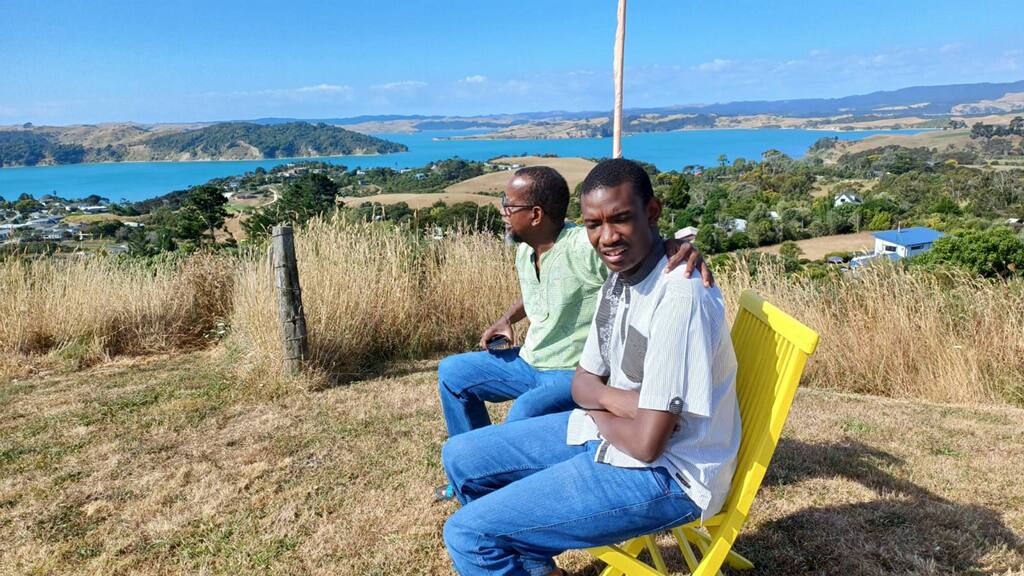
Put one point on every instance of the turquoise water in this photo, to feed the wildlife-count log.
(668, 151)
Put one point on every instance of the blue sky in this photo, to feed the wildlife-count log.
(65, 62)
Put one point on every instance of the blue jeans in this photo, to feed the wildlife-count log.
(466, 381)
(527, 496)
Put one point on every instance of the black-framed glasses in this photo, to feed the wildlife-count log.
(507, 207)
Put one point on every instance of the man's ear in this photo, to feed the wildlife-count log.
(536, 215)
(653, 212)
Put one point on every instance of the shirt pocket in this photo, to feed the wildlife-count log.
(633, 354)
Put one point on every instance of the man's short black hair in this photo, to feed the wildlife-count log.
(612, 173)
(546, 188)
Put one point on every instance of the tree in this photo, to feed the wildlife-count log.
(993, 252)
(204, 206)
(790, 253)
(881, 221)
(27, 204)
(676, 196)
(710, 239)
(790, 249)
(310, 195)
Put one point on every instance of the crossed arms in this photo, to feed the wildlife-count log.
(639, 432)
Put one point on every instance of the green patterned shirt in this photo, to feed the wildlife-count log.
(560, 304)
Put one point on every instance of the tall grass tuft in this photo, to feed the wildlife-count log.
(948, 337)
(92, 308)
(374, 292)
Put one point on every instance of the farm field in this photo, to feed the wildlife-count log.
(423, 200)
(574, 170)
(816, 248)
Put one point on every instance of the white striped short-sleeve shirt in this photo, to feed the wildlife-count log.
(666, 336)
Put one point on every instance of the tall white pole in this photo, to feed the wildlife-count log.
(620, 43)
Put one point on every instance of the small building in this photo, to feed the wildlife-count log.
(738, 225)
(847, 198)
(906, 242)
(93, 209)
(689, 233)
(55, 234)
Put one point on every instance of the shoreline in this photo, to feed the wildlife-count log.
(492, 136)
(199, 160)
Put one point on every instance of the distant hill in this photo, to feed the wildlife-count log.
(30, 146)
(917, 102)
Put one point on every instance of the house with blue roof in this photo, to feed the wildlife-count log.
(905, 242)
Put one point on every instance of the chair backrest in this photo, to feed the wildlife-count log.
(771, 350)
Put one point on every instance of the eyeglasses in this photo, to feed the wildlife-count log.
(507, 208)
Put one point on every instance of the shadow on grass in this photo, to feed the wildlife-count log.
(904, 529)
(382, 369)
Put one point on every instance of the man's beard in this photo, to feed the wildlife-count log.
(512, 238)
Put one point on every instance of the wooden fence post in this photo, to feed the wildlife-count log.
(289, 299)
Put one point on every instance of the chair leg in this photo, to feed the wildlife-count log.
(685, 549)
(624, 562)
(733, 558)
(652, 549)
(632, 548)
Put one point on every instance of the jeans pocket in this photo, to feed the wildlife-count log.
(663, 479)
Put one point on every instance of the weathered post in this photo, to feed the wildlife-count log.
(289, 299)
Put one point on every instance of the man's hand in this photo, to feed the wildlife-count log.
(680, 251)
(622, 403)
(501, 327)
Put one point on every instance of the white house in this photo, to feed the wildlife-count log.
(906, 242)
(846, 198)
(688, 233)
(739, 225)
(93, 209)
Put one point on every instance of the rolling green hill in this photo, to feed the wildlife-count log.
(30, 146)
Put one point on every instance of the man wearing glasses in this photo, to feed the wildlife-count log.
(560, 276)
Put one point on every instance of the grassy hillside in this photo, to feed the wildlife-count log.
(278, 141)
(232, 140)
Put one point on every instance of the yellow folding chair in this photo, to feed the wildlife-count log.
(771, 350)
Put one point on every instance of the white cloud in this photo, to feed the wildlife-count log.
(401, 86)
(716, 65)
(951, 47)
(475, 79)
(318, 89)
(322, 91)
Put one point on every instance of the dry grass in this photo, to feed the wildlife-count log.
(83, 309)
(170, 466)
(373, 292)
(905, 334)
(574, 170)
(426, 200)
(816, 248)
